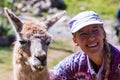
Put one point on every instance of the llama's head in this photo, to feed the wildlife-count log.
(33, 39)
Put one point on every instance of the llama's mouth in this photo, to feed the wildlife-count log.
(39, 68)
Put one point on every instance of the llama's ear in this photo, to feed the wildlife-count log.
(54, 19)
(14, 20)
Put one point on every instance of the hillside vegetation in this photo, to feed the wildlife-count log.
(106, 8)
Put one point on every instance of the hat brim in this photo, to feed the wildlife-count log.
(80, 26)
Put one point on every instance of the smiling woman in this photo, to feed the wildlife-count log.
(90, 39)
(97, 60)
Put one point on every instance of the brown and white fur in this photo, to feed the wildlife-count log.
(31, 45)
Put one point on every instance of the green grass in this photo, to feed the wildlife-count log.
(106, 8)
(6, 58)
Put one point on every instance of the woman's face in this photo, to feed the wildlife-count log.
(90, 39)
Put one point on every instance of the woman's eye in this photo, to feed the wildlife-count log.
(83, 34)
(95, 31)
(23, 42)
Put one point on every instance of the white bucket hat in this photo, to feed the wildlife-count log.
(83, 19)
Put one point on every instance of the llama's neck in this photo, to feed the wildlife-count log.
(22, 73)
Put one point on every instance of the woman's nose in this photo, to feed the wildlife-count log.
(91, 36)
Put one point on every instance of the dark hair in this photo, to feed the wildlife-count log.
(118, 14)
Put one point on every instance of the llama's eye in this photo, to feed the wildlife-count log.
(47, 43)
(23, 42)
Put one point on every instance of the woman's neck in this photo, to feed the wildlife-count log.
(97, 59)
(94, 66)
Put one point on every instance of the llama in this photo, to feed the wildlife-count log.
(30, 48)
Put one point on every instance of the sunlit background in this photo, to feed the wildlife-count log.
(40, 10)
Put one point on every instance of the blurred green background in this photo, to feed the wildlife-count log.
(106, 8)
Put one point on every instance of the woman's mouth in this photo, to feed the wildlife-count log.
(92, 45)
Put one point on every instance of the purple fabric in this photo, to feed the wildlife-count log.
(75, 67)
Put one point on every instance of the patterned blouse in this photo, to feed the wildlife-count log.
(75, 67)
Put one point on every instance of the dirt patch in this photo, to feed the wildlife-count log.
(6, 75)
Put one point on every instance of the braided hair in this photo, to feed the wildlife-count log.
(107, 55)
(107, 59)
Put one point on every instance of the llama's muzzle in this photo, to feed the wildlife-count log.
(39, 68)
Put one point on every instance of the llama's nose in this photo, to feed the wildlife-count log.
(41, 57)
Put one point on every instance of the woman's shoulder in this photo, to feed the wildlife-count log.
(77, 57)
(115, 48)
(70, 65)
(76, 60)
